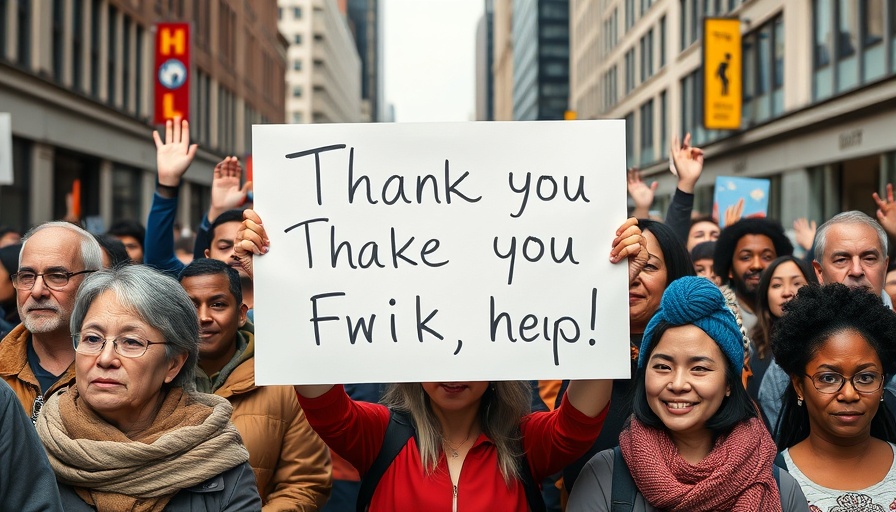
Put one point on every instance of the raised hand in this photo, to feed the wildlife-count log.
(804, 232)
(226, 191)
(641, 193)
(630, 243)
(173, 157)
(251, 238)
(734, 212)
(688, 162)
(886, 210)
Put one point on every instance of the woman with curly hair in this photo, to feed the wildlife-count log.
(838, 345)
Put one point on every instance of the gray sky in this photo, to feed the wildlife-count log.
(429, 58)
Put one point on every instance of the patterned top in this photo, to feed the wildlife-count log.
(880, 497)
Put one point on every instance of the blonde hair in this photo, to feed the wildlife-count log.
(502, 407)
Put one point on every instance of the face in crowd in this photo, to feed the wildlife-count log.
(703, 231)
(852, 256)
(47, 309)
(220, 316)
(647, 289)
(221, 248)
(752, 254)
(786, 280)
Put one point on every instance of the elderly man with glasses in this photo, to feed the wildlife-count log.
(36, 357)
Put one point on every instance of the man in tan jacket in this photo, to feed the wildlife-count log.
(36, 357)
(291, 463)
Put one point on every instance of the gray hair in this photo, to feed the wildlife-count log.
(158, 300)
(91, 252)
(850, 217)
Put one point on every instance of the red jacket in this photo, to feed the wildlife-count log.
(355, 430)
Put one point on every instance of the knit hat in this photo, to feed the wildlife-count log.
(697, 301)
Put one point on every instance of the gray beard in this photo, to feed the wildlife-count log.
(43, 325)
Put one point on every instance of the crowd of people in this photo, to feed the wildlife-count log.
(760, 380)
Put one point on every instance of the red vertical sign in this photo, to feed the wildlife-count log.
(172, 90)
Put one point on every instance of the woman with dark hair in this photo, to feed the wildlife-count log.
(474, 444)
(838, 345)
(694, 442)
(668, 260)
(778, 285)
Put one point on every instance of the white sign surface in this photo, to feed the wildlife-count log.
(6, 175)
(440, 252)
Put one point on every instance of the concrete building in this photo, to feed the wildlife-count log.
(502, 63)
(540, 38)
(819, 94)
(77, 78)
(485, 83)
(323, 78)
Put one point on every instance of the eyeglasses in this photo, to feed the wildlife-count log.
(53, 280)
(91, 344)
(832, 382)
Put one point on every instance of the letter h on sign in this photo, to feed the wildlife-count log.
(172, 83)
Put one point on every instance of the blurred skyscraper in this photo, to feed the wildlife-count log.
(485, 82)
(323, 70)
(77, 77)
(366, 20)
(502, 63)
(540, 38)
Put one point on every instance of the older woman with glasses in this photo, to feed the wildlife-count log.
(131, 433)
(837, 345)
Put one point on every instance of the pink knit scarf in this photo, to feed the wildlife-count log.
(736, 475)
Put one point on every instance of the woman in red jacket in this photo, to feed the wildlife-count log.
(468, 436)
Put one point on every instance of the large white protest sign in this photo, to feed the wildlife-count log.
(6, 174)
(437, 252)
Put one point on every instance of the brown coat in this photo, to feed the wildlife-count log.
(291, 463)
(14, 369)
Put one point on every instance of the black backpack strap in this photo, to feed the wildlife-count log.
(780, 462)
(533, 491)
(398, 432)
(622, 496)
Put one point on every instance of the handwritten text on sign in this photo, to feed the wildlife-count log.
(432, 252)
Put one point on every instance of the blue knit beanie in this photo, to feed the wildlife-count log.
(697, 301)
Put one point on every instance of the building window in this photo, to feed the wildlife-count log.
(690, 22)
(297, 65)
(58, 39)
(23, 46)
(664, 130)
(630, 139)
(95, 47)
(647, 133)
(297, 39)
(112, 49)
(138, 74)
(646, 45)
(629, 14)
(297, 117)
(297, 13)
(77, 29)
(629, 70)
(852, 32)
(297, 91)
(662, 48)
(126, 192)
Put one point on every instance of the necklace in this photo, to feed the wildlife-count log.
(454, 449)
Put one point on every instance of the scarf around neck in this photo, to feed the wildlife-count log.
(190, 440)
(736, 475)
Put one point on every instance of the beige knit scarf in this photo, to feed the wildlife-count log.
(190, 441)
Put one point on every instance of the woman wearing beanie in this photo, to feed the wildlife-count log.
(838, 345)
(695, 442)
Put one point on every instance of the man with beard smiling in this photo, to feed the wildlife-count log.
(743, 250)
(291, 463)
(36, 357)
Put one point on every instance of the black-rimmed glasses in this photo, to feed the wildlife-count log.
(56, 281)
(832, 382)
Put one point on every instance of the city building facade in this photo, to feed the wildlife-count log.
(819, 94)
(485, 83)
(323, 78)
(502, 62)
(540, 40)
(77, 78)
(367, 26)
